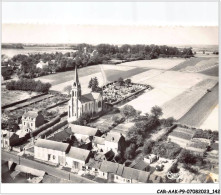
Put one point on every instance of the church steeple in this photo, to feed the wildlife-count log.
(76, 79)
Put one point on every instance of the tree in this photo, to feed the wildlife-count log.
(93, 84)
(130, 151)
(147, 147)
(128, 81)
(128, 111)
(135, 136)
(156, 111)
(121, 81)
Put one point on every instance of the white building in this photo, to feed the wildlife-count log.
(42, 64)
(76, 158)
(51, 151)
(79, 104)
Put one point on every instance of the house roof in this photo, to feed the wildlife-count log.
(86, 98)
(120, 169)
(61, 136)
(32, 114)
(84, 130)
(130, 173)
(78, 153)
(140, 165)
(143, 176)
(49, 144)
(109, 167)
(113, 137)
(94, 164)
(98, 140)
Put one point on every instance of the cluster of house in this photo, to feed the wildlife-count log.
(112, 92)
(185, 139)
(31, 120)
(99, 161)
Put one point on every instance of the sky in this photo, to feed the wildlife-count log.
(110, 22)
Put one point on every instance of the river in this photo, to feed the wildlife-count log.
(34, 50)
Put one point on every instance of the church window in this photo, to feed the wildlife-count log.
(99, 104)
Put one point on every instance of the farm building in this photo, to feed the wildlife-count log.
(181, 136)
(42, 64)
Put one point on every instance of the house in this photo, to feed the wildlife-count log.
(8, 139)
(82, 133)
(140, 165)
(42, 64)
(31, 120)
(98, 144)
(108, 170)
(115, 141)
(51, 151)
(82, 104)
(150, 158)
(76, 158)
(93, 166)
(108, 156)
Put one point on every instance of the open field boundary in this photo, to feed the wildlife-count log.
(22, 101)
(181, 104)
(202, 109)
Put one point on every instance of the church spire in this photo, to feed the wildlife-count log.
(76, 79)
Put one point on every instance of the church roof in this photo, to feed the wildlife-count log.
(86, 98)
(76, 79)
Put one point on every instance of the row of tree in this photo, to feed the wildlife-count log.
(28, 85)
(85, 55)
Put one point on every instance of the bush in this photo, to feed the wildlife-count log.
(28, 85)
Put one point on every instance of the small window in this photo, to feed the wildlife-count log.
(116, 177)
(54, 157)
(103, 174)
(95, 169)
(24, 123)
(31, 124)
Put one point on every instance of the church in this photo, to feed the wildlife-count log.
(79, 104)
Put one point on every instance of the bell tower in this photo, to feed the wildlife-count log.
(73, 110)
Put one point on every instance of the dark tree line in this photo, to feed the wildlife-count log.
(28, 85)
(86, 55)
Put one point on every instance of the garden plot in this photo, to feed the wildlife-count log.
(212, 122)
(181, 104)
(202, 65)
(161, 63)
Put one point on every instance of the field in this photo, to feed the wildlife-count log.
(188, 62)
(182, 103)
(161, 63)
(8, 97)
(212, 71)
(167, 85)
(212, 121)
(202, 65)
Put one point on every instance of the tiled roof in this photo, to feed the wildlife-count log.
(53, 145)
(61, 136)
(84, 130)
(32, 114)
(143, 176)
(141, 165)
(181, 135)
(109, 167)
(78, 153)
(94, 164)
(130, 173)
(84, 99)
(120, 169)
(95, 95)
